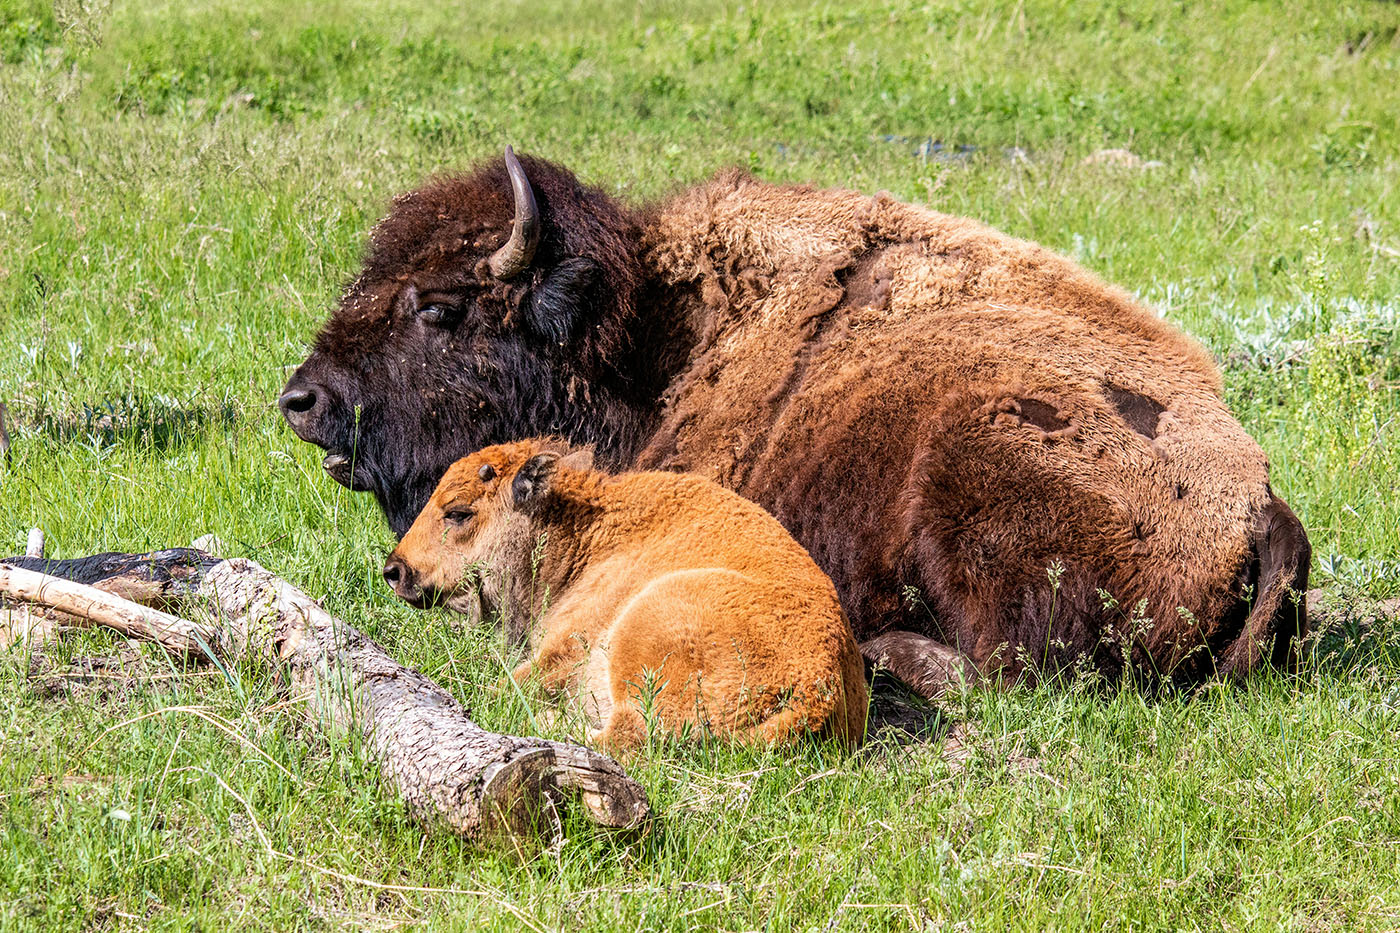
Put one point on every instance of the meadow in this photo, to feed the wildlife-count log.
(184, 188)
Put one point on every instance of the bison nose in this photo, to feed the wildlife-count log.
(400, 578)
(296, 402)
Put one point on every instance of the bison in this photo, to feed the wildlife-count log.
(654, 589)
(999, 459)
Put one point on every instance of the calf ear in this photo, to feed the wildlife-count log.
(558, 304)
(532, 481)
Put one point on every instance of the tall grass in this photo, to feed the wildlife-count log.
(184, 188)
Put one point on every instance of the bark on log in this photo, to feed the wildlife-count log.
(447, 769)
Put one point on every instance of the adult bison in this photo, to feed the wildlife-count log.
(995, 455)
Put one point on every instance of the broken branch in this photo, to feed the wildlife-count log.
(96, 607)
(444, 767)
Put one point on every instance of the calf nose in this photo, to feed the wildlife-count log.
(401, 580)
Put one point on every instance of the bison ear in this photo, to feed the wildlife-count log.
(532, 481)
(558, 303)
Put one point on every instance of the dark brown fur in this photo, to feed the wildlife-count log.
(979, 441)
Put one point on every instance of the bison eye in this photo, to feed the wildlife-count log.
(458, 516)
(434, 314)
(487, 472)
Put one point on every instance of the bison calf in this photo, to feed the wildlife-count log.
(657, 589)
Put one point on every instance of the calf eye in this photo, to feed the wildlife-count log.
(487, 472)
(458, 516)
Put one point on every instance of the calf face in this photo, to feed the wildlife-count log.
(473, 546)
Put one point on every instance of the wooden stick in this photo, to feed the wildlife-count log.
(34, 547)
(103, 608)
(446, 769)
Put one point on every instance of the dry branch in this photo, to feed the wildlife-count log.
(445, 767)
(83, 603)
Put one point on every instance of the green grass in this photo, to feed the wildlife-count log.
(183, 189)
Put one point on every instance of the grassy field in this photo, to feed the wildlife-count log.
(183, 189)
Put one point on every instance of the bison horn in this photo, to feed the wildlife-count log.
(515, 257)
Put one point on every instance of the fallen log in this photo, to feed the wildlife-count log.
(447, 770)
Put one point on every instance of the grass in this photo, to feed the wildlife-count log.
(183, 189)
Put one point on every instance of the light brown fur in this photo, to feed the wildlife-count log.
(644, 582)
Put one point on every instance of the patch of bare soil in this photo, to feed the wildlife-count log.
(902, 723)
(1351, 629)
(965, 740)
(103, 677)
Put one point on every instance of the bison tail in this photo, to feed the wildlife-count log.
(1278, 619)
